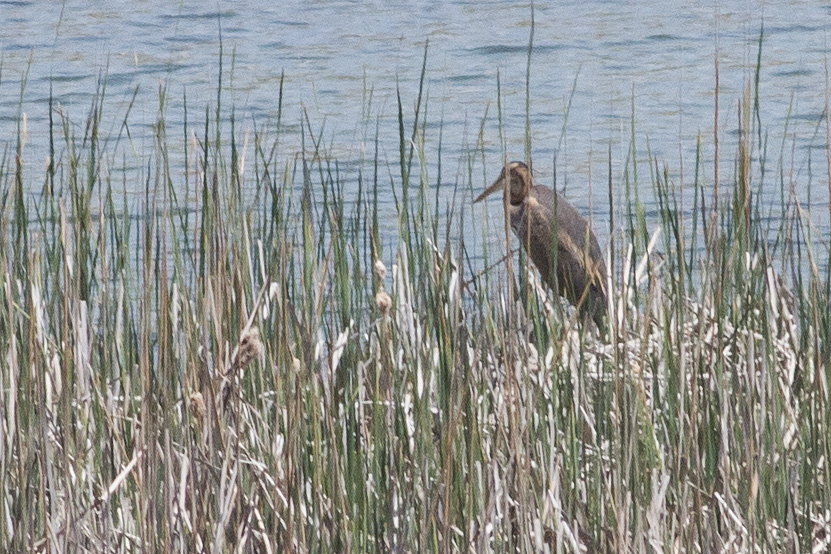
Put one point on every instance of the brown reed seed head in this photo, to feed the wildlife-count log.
(197, 404)
(250, 347)
(380, 269)
(383, 302)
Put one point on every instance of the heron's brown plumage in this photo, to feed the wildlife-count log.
(558, 239)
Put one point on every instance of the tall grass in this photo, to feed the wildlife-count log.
(233, 361)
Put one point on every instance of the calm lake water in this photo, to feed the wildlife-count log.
(653, 60)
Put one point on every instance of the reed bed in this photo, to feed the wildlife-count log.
(237, 360)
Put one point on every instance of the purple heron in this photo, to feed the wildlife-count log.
(558, 239)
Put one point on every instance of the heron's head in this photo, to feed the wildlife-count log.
(518, 178)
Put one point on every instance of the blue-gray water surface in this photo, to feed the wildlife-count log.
(651, 62)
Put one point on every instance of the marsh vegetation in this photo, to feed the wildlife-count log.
(236, 359)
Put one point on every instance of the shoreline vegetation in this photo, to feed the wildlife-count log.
(242, 367)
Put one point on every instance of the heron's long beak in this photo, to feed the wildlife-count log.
(499, 184)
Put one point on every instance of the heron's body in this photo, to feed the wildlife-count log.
(558, 239)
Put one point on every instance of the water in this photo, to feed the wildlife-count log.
(658, 57)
